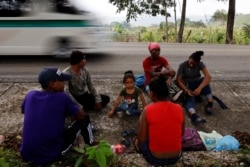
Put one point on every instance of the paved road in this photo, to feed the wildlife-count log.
(225, 62)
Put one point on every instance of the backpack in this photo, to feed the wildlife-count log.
(191, 141)
(139, 81)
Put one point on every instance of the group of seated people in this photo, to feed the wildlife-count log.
(69, 93)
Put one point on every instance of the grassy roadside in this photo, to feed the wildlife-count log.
(10, 157)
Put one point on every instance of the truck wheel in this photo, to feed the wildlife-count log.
(62, 48)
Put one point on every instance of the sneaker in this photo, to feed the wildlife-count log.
(177, 95)
(197, 119)
(209, 110)
(127, 112)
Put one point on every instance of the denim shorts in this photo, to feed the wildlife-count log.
(156, 161)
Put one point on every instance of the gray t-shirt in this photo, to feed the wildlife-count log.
(190, 74)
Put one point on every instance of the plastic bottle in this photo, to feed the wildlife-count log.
(118, 148)
(210, 141)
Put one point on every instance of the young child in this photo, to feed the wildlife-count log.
(127, 101)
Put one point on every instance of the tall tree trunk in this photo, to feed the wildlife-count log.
(182, 24)
(166, 20)
(230, 22)
(175, 22)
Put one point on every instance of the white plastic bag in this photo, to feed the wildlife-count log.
(210, 140)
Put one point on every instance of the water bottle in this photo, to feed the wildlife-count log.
(118, 148)
(210, 141)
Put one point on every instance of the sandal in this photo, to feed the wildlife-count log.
(198, 119)
(134, 139)
(129, 132)
(209, 110)
(125, 141)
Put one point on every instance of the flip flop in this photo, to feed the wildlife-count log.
(126, 141)
(129, 132)
(134, 138)
(199, 120)
(209, 110)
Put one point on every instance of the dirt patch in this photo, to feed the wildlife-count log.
(235, 95)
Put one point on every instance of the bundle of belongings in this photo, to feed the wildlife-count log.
(194, 140)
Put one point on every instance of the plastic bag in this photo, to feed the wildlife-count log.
(210, 140)
(228, 143)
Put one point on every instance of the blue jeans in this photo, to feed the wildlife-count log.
(190, 100)
(156, 161)
(131, 108)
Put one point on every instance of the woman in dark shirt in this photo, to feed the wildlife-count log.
(189, 79)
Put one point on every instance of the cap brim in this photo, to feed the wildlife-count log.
(65, 77)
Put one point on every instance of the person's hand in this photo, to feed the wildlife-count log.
(169, 81)
(197, 92)
(189, 92)
(165, 73)
(98, 106)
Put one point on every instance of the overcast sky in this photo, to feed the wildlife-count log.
(102, 8)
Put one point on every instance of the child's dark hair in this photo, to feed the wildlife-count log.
(196, 56)
(128, 74)
(159, 87)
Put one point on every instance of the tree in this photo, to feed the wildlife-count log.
(182, 24)
(126, 25)
(175, 22)
(246, 30)
(230, 22)
(140, 7)
(220, 16)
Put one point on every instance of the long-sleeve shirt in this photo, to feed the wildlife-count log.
(77, 84)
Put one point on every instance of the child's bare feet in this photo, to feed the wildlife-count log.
(111, 114)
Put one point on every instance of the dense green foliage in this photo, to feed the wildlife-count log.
(210, 35)
(195, 32)
(139, 7)
(221, 16)
(246, 30)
